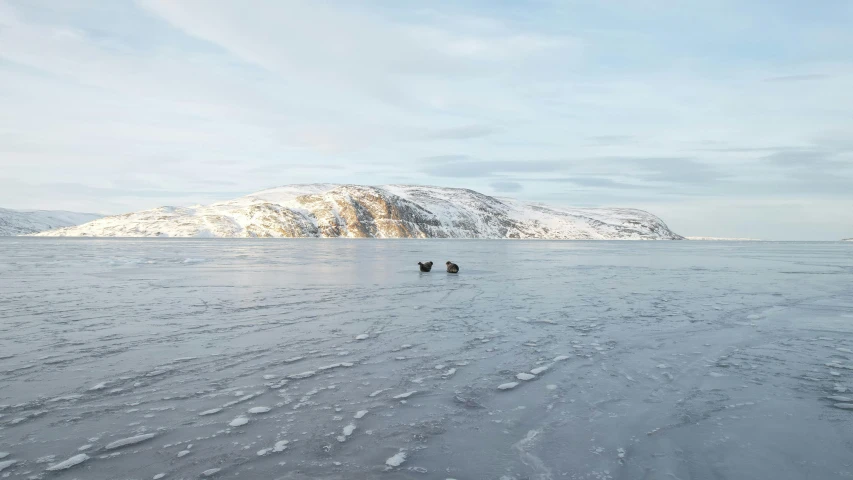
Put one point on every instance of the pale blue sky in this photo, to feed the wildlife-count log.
(724, 117)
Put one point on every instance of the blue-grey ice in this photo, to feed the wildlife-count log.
(687, 360)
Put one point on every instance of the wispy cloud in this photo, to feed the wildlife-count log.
(506, 187)
(797, 78)
(455, 166)
(460, 133)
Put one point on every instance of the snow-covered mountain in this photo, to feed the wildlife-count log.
(23, 222)
(391, 211)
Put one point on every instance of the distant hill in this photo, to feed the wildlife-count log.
(23, 222)
(391, 211)
(723, 239)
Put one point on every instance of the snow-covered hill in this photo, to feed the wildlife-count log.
(23, 222)
(391, 211)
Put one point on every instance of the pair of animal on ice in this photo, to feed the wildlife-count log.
(451, 267)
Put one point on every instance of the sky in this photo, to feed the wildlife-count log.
(728, 118)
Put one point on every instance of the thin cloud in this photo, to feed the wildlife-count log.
(606, 140)
(797, 78)
(460, 133)
(597, 182)
(506, 187)
(485, 169)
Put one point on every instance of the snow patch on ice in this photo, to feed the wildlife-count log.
(507, 386)
(238, 422)
(280, 446)
(397, 459)
(837, 398)
(75, 460)
(130, 441)
(348, 430)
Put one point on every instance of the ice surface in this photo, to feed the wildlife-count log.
(507, 386)
(525, 376)
(271, 324)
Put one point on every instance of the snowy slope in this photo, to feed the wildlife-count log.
(391, 211)
(22, 222)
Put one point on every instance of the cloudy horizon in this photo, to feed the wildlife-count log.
(724, 118)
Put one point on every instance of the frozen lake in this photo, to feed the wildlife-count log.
(128, 359)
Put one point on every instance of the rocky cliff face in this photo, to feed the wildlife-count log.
(392, 211)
